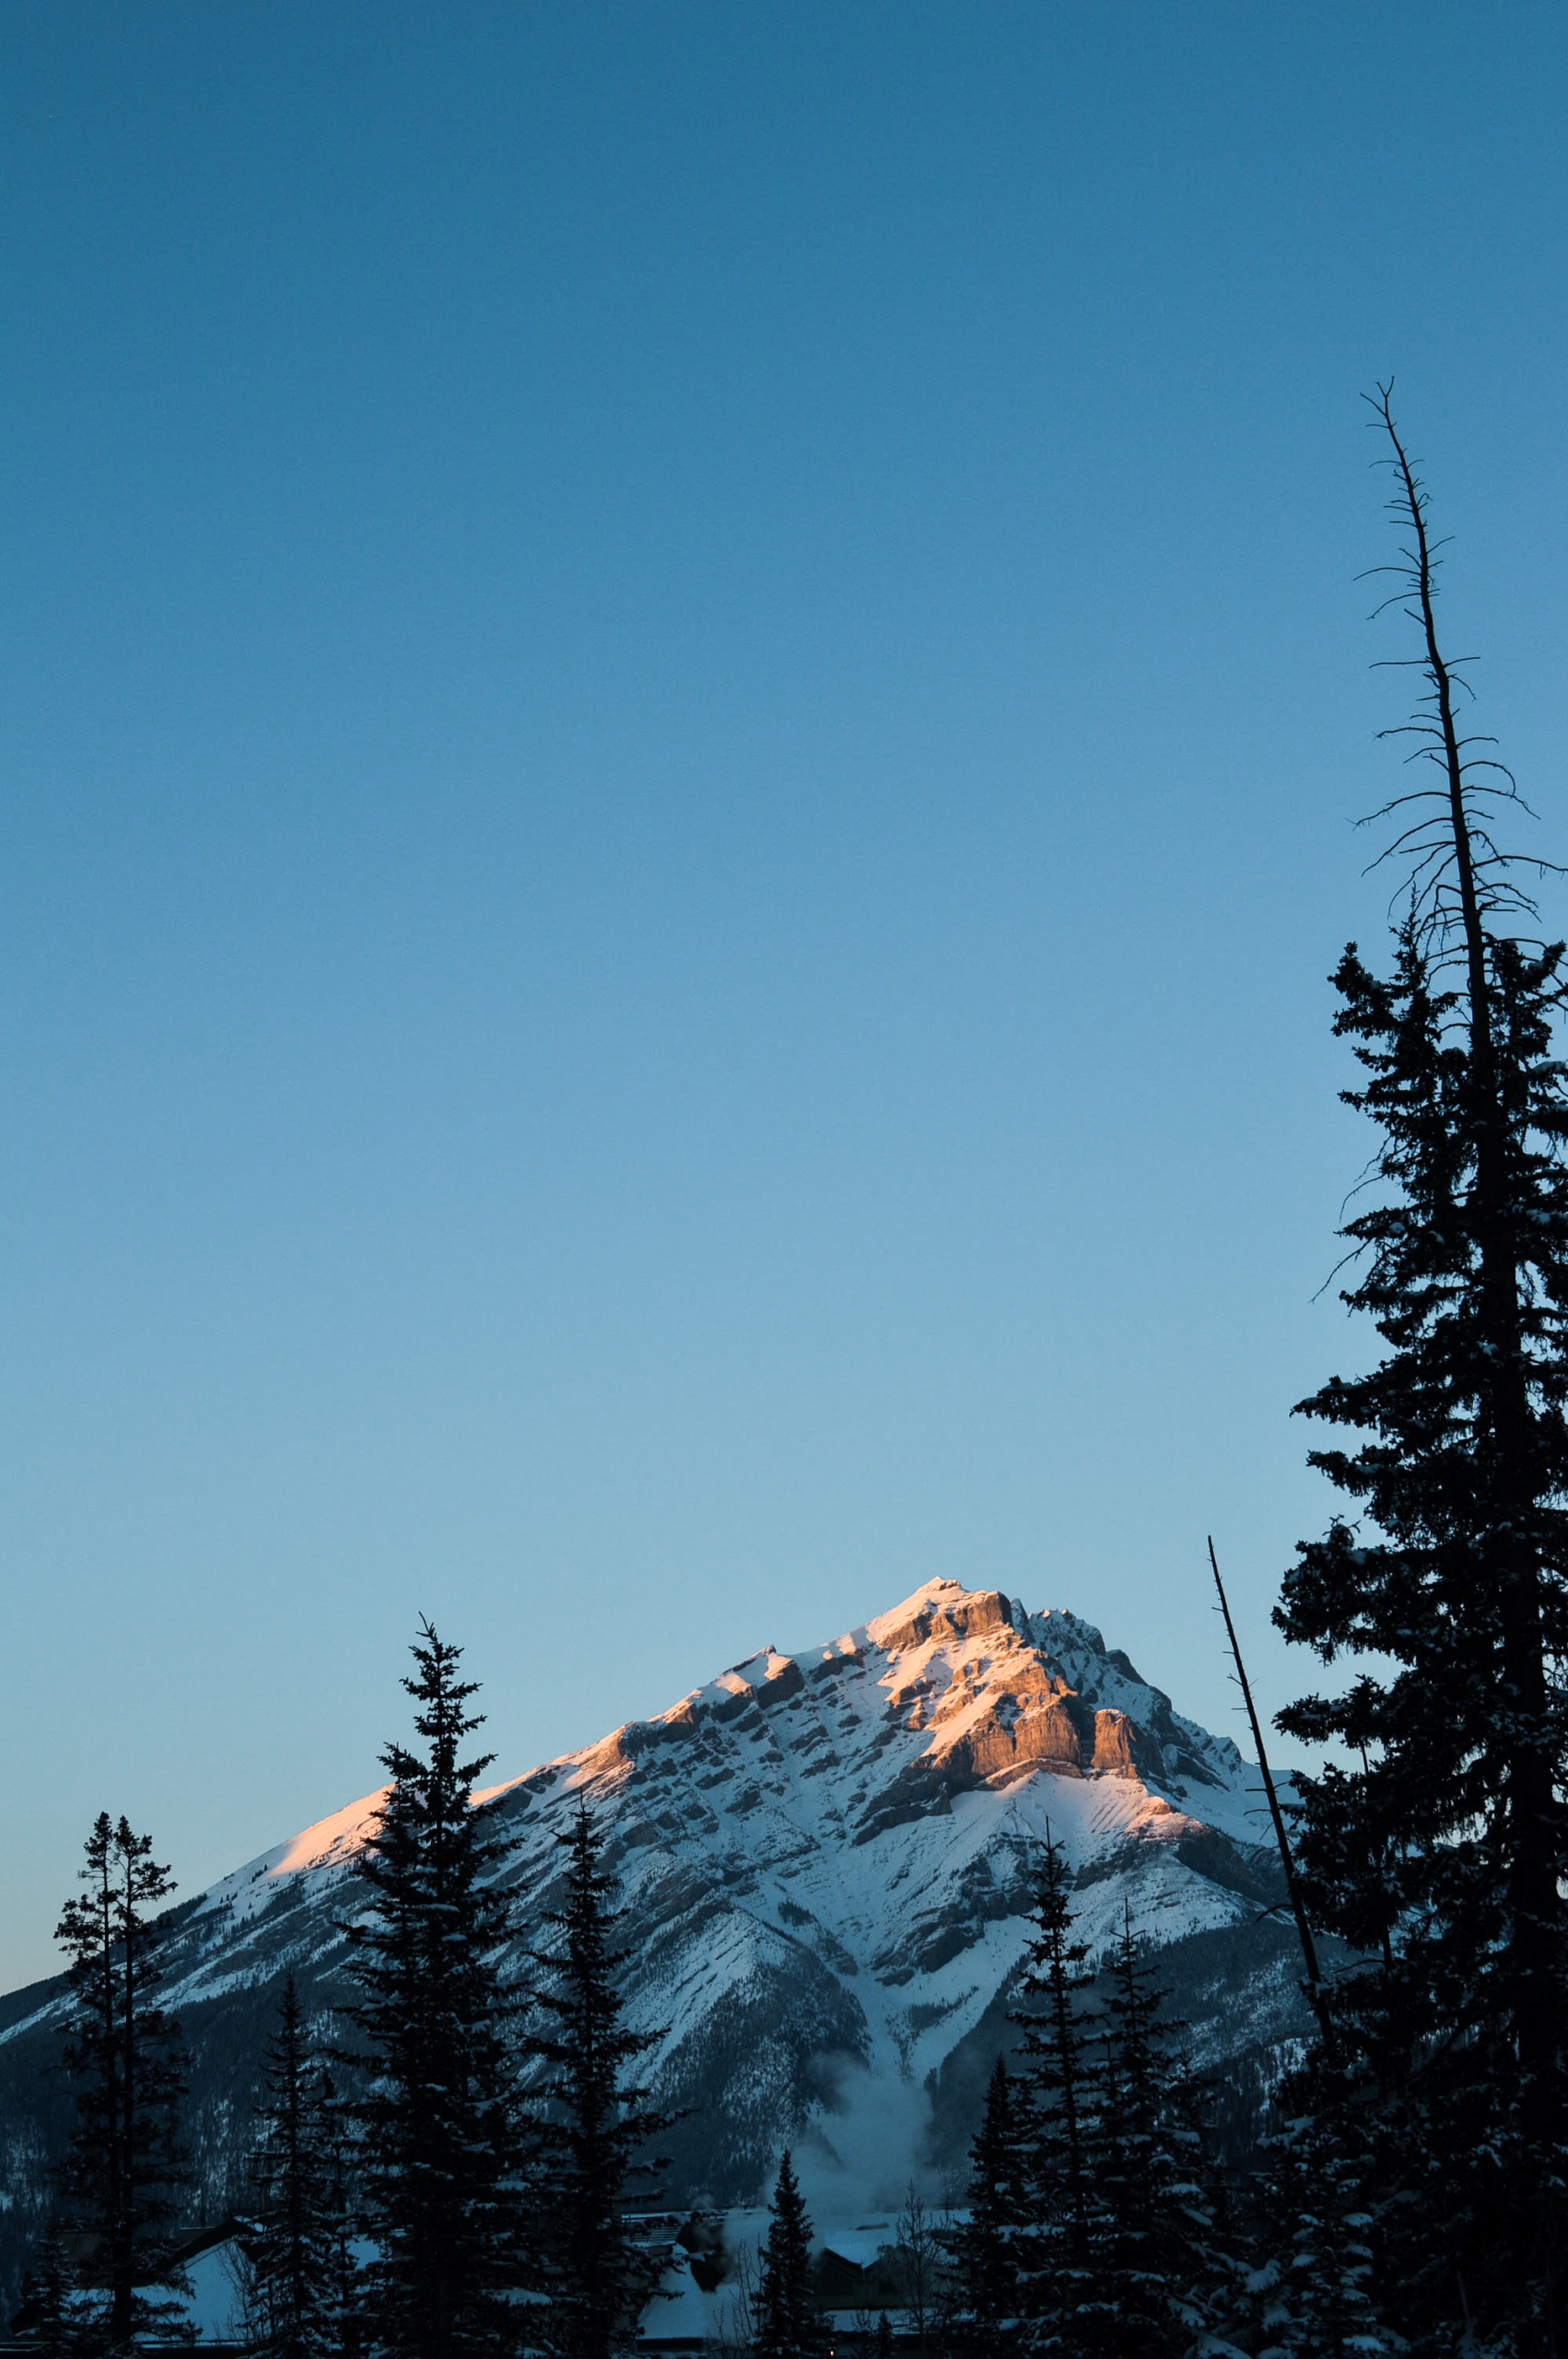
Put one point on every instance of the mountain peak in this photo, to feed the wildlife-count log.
(826, 1858)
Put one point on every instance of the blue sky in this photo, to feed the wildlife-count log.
(683, 695)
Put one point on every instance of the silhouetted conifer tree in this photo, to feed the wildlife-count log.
(125, 2057)
(1058, 2102)
(787, 2323)
(1438, 1852)
(290, 2254)
(593, 2120)
(437, 2145)
(1315, 2289)
(49, 2316)
(985, 2248)
(1125, 2242)
(1160, 2280)
(344, 2301)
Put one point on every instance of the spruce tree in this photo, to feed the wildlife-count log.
(1315, 2289)
(1058, 2094)
(290, 2253)
(436, 2138)
(787, 2323)
(122, 2052)
(1161, 2279)
(985, 2248)
(592, 2121)
(50, 2315)
(343, 2300)
(1436, 1847)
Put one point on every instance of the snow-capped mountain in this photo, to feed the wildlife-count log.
(823, 1859)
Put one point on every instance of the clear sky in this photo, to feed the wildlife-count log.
(682, 696)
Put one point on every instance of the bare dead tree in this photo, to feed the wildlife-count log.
(921, 2259)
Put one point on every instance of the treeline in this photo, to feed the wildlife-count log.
(1094, 2220)
(440, 2171)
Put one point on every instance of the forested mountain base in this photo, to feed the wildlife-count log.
(824, 1862)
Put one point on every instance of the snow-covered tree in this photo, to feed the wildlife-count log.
(1056, 2103)
(984, 2247)
(1160, 2280)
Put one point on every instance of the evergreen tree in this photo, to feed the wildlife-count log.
(787, 2324)
(50, 2313)
(290, 2255)
(985, 2248)
(1438, 1850)
(1315, 2289)
(344, 2299)
(124, 2053)
(1059, 2091)
(592, 2121)
(1160, 2279)
(437, 2145)
(1122, 2231)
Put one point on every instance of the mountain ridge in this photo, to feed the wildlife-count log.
(823, 1857)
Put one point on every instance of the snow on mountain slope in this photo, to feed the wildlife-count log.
(824, 1859)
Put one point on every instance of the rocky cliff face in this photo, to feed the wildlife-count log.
(823, 1860)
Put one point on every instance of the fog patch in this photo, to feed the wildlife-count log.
(857, 2156)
